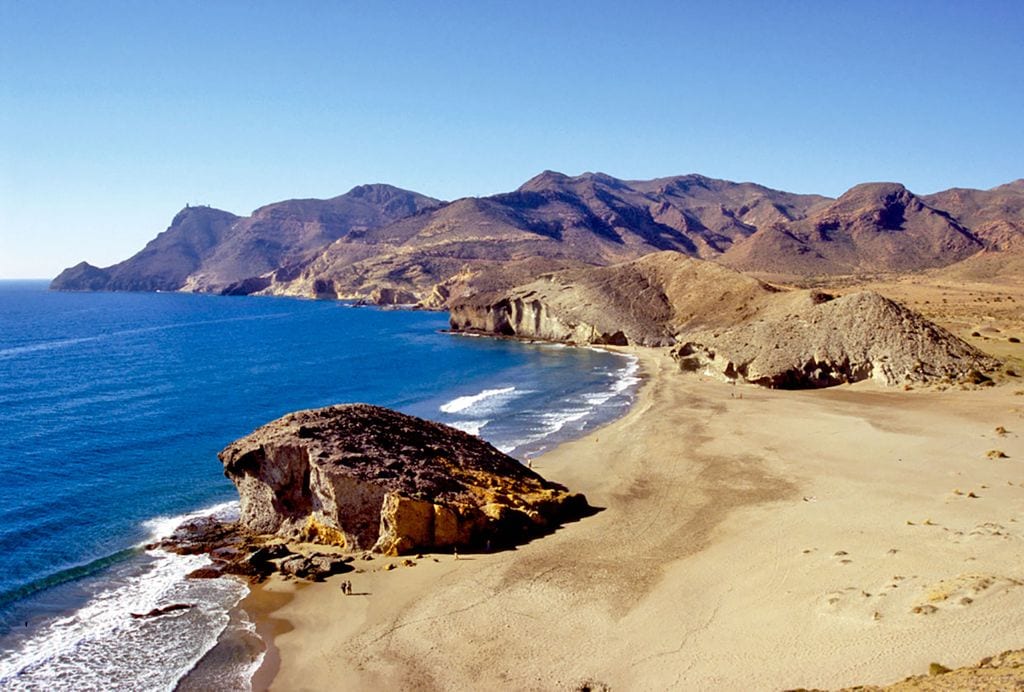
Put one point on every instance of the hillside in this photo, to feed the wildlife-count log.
(647, 301)
(207, 249)
(728, 324)
(874, 227)
(552, 220)
(387, 245)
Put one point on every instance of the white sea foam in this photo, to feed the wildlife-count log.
(473, 427)
(578, 411)
(463, 403)
(556, 420)
(626, 380)
(101, 646)
(162, 527)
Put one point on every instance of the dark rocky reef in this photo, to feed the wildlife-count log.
(235, 550)
(362, 477)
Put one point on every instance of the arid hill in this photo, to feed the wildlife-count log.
(974, 207)
(208, 249)
(167, 261)
(877, 227)
(647, 302)
(386, 245)
(996, 216)
(728, 324)
(551, 222)
(810, 339)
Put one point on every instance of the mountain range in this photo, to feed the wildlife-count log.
(388, 245)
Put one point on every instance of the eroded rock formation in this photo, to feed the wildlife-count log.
(725, 323)
(808, 339)
(644, 302)
(364, 477)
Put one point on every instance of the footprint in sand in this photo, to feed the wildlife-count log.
(990, 528)
(966, 589)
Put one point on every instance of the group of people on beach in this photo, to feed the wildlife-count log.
(346, 588)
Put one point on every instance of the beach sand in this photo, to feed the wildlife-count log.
(748, 539)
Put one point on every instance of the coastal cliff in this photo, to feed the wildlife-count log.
(368, 478)
(644, 302)
(730, 325)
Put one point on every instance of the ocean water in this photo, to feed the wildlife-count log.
(113, 407)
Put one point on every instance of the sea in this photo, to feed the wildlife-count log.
(113, 407)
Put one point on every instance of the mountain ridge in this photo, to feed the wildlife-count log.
(380, 242)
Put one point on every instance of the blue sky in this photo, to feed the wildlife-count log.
(114, 115)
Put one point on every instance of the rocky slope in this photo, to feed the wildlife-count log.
(808, 339)
(550, 222)
(208, 249)
(876, 227)
(363, 477)
(728, 324)
(645, 302)
(975, 207)
(387, 245)
(999, 673)
(166, 262)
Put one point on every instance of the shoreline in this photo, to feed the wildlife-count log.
(260, 605)
(721, 518)
(268, 598)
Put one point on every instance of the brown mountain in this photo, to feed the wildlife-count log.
(551, 222)
(392, 246)
(874, 227)
(974, 207)
(207, 249)
(996, 216)
(164, 264)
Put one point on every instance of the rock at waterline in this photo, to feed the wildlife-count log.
(365, 477)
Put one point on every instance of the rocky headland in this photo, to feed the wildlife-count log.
(318, 488)
(730, 325)
(363, 477)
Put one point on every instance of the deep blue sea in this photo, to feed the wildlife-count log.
(113, 407)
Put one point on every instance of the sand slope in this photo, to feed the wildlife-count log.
(778, 540)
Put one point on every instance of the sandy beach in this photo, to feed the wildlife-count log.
(747, 539)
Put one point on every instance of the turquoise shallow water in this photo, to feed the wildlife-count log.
(113, 408)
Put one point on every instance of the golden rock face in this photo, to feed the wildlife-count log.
(367, 478)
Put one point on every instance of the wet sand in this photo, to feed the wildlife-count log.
(748, 539)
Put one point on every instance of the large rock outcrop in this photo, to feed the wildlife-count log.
(644, 302)
(364, 477)
(808, 339)
(725, 323)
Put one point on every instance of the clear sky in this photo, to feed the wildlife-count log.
(114, 115)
